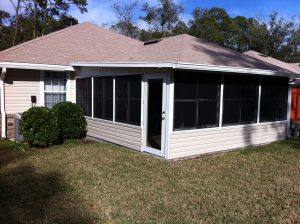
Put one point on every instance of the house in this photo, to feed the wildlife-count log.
(174, 97)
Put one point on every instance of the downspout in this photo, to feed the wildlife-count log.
(3, 113)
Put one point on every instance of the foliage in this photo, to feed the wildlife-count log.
(33, 18)
(39, 127)
(12, 145)
(125, 24)
(71, 120)
(162, 17)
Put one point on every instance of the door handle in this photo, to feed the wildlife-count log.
(162, 118)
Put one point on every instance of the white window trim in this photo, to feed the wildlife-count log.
(43, 91)
(221, 102)
(259, 101)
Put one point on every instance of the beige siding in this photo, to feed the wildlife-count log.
(193, 142)
(20, 85)
(121, 134)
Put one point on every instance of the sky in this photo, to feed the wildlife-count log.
(101, 11)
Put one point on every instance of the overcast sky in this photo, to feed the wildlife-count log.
(101, 12)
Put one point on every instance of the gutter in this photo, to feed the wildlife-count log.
(186, 66)
(43, 67)
(3, 113)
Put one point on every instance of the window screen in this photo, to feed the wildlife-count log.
(128, 99)
(196, 97)
(274, 94)
(84, 94)
(54, 88)
(103, 97)
(240, 99)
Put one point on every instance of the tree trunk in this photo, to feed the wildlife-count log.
(35, 18)
(16, 26)
(44, 17)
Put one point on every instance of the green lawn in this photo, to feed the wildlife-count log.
(103, 183)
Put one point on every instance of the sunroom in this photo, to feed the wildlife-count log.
(175, 113)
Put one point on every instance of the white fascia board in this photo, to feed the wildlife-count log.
(186, 66)
(228, 69)
(124, 64)
(44, 67)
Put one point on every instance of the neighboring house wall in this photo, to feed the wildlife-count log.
(118, 133)
(193, 142)
(20, 85)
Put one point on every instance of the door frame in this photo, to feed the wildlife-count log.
(146, 148)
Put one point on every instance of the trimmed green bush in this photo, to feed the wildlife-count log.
(39, 127)
(71, 120)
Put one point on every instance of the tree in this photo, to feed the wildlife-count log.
(180, 28)
(162, 17)
(213, 25)
(4, 29)
(17, 8)
(125, 24)
(56, 8)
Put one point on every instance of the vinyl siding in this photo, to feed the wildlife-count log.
(122, 134)
(20, 85)
(193, 142)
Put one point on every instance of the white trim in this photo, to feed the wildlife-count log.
(169, 111)
(68, 87)
(143, 114)
(3, 112)
(92, 79)
(157, 152)
(259, 101)
(75, 92)
(42, 94)
(227, 127)
(289, 111)
(189, 66)
(36, 66)
(114, 99)
(221, 102)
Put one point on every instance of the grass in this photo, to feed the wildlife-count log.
(103, 183)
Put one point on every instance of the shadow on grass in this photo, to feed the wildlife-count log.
(30, 196)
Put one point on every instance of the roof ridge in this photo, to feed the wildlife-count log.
(182, 47)
(42, 37)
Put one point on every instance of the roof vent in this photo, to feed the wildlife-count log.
(263, 55)
(152, 41)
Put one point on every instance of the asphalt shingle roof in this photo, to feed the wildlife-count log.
(87, 42)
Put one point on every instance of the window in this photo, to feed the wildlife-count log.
(84, 94)
(103, 98)
(197, 99)
(54, 88)
(240, 99)
(274, 94)
(128, 99)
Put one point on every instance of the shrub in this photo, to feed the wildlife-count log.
(71, 120)
(39, 127)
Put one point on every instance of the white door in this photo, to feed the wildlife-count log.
(154, 114)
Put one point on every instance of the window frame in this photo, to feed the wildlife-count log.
(242, 100)
(91, 106)
(221, 107)
(128, 100)
(103, 97)
(44, 91)
(197, 101)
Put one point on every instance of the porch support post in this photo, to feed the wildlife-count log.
(169, 111)
(3, 113)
